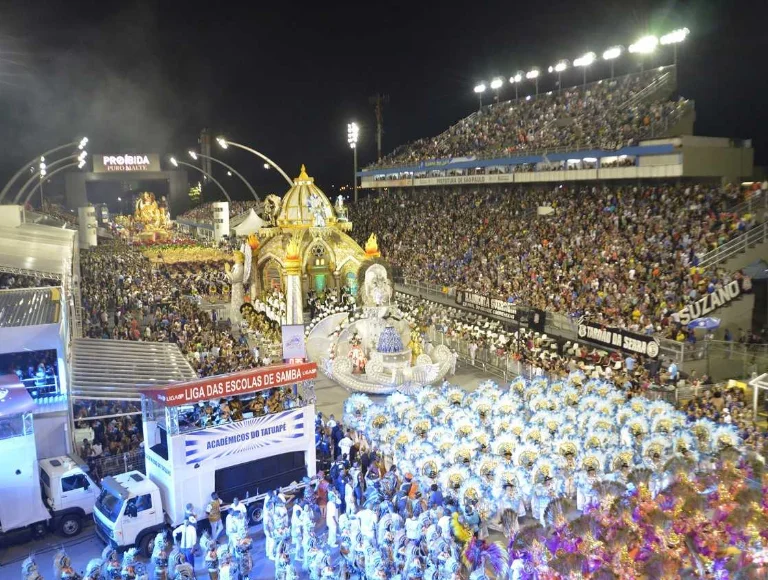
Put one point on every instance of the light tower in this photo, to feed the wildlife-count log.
(353, 131)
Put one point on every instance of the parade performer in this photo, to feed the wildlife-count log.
(62, 567)
(94, 570)
(268, 524)
(181, 569)
(29, 569)
(281, 529)
(112, 568)
(332, 516)
(211, 556)
(227, 569)
(161, 549)
(296, 528)
(132, 569)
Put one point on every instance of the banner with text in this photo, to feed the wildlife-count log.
(494, 306)
(239, 383)
(710, 302)
(126, 163)
(616, 338)
(241, 436)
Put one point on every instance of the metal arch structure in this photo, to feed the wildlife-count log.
(233, 170)
(261, 155)
(33, 161)
(208, 175)
(43, 178)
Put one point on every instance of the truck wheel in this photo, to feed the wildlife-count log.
(38, 530)
(145, 545)
(70, 526)
(255, 515)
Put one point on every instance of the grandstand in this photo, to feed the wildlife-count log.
(639, 210)
(630, 127)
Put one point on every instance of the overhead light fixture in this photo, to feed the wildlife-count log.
(646, 45)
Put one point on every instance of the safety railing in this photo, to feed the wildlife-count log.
(757, 235)
(752, 206)
(44, 386)
(105, 465)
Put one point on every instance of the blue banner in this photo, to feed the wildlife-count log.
(256, 433)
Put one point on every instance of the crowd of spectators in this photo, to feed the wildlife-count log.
(19, 281)
(127, 297)
(106, 430)
(729, 407)
(37, 370)
(237, 408)
(59, 212)
(599, 115)
(621, 255)
(203, 213)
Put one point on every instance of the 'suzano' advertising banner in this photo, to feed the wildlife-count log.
(617, 338)
(247, 435)
(710, 302)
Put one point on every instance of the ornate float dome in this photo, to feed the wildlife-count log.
(301, 203)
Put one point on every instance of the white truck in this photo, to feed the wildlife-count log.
(188, 457)
(37, 496)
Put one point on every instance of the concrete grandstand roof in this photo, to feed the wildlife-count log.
(34, 249)
(30, 307)
(107, 369)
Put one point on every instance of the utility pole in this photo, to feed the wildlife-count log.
(378, 101)
(205, 149)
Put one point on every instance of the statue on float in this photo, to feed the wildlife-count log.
(357, 354)
(148, 213)
(236, 275)
(318, 210)
(271, 209)
(415, 345)
(341, 209)
(377, 290)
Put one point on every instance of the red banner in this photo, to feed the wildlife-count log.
(239, 383)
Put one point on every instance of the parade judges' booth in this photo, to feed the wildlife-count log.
(240, 434)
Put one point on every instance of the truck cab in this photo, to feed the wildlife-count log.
(129, 511)
(68, 492)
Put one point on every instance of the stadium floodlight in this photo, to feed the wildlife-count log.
(496, 85)
(559, 68)
(83, 143)
(222, 142)
(174, 162)
(82, 164)
(266, 166)
(674, 38)
(646, 45)
(612, 54)
(479, 90)
(533, 75)
(584, 62)
(192, 154)
(516, 80)
(82, 156)
(353, 132)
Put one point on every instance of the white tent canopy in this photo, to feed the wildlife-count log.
(119, 369)
(246, 224)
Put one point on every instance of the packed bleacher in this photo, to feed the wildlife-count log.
(59, 212)
(126, 297)
(600, 115)
(621, 255)
(37, 370)
(203, 213)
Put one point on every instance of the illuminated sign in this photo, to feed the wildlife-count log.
(126, 163)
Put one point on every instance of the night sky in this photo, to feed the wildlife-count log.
(146, 77)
